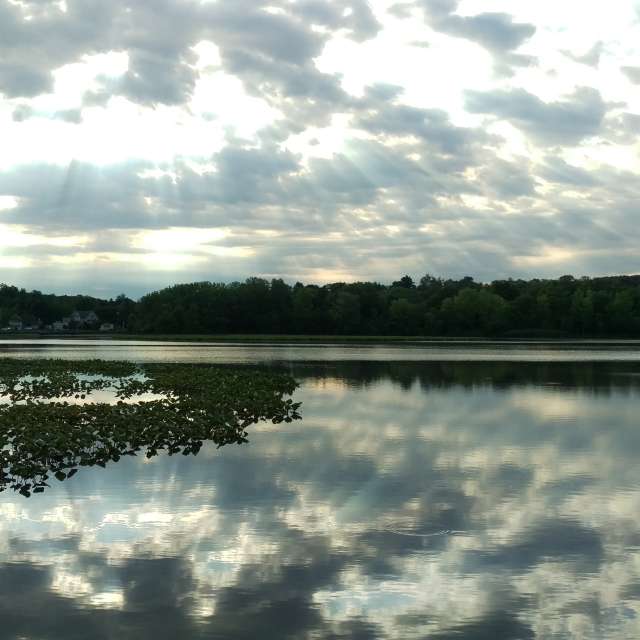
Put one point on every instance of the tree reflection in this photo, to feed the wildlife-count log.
(596, 377)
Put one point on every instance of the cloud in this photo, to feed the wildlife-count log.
(558, 539)
(431, 125)
(558, 170)
(591, 58)
(158, 37)
(20, 81)
(242, 176)
(80, 196)
(507, 180)
(632, 73)
(352, 16)
(565, 122)
(33, 45)
(444, 147)
(73, 116)
(401, 9)
(496, 32)
(631, 122)
(22, 112)
(495, 624)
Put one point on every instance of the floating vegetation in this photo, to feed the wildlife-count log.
(49, 426)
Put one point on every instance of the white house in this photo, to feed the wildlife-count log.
(107, 326)
(84, 318)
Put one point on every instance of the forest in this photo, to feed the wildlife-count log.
(432, 306)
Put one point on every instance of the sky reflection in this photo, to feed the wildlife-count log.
(475, 501)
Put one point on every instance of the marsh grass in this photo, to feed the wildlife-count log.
(50, 427)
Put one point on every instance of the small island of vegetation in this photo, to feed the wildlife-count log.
(50, 426)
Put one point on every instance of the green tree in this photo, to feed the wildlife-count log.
(405, 318)
(582, 311)
(344, 312)
(475, 311)
(305, 314)
(406, 282)
(622, 312)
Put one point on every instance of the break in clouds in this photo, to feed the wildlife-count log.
(159, 141)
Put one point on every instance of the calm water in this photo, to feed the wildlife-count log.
(251, 353)
(479, 499)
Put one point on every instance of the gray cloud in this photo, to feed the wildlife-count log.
(632, 73)
(77, 197)
(557, 170)
(631, 122)
(21, 81)
(429, 125)
(496, 32)
(622, 129)
(507, 180)
(158, 37)
(22, 112)
(73, 116)
(243, 176)
(31, 49)
(352, 16)
(401, 9)
(591, 58)
(565, 122)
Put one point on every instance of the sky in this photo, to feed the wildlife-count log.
(153, 142)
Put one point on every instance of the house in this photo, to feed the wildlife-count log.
(15, 323)
(60, 325)
(83, 319)
(32, 324)
(107, 326)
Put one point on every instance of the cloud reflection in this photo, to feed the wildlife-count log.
(442, 501)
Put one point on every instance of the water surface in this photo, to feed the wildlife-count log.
(252, 353)
(434, 499)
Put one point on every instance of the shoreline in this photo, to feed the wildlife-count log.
(316, 339)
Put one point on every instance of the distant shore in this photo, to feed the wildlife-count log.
(297, 338)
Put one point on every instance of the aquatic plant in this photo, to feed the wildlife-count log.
(49, 426)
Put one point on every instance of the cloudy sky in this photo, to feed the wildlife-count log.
(159, 141)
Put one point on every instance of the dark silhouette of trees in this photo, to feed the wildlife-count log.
(37, 309)
(406, 282)
(567, 306)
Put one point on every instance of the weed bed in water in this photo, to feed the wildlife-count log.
(49, 426)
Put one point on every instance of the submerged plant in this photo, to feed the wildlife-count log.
(49, 427)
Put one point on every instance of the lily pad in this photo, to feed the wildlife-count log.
(157, 407)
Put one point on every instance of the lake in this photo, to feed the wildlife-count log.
(447, 491)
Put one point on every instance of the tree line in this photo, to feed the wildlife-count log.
(35, 308)
(432, 306)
